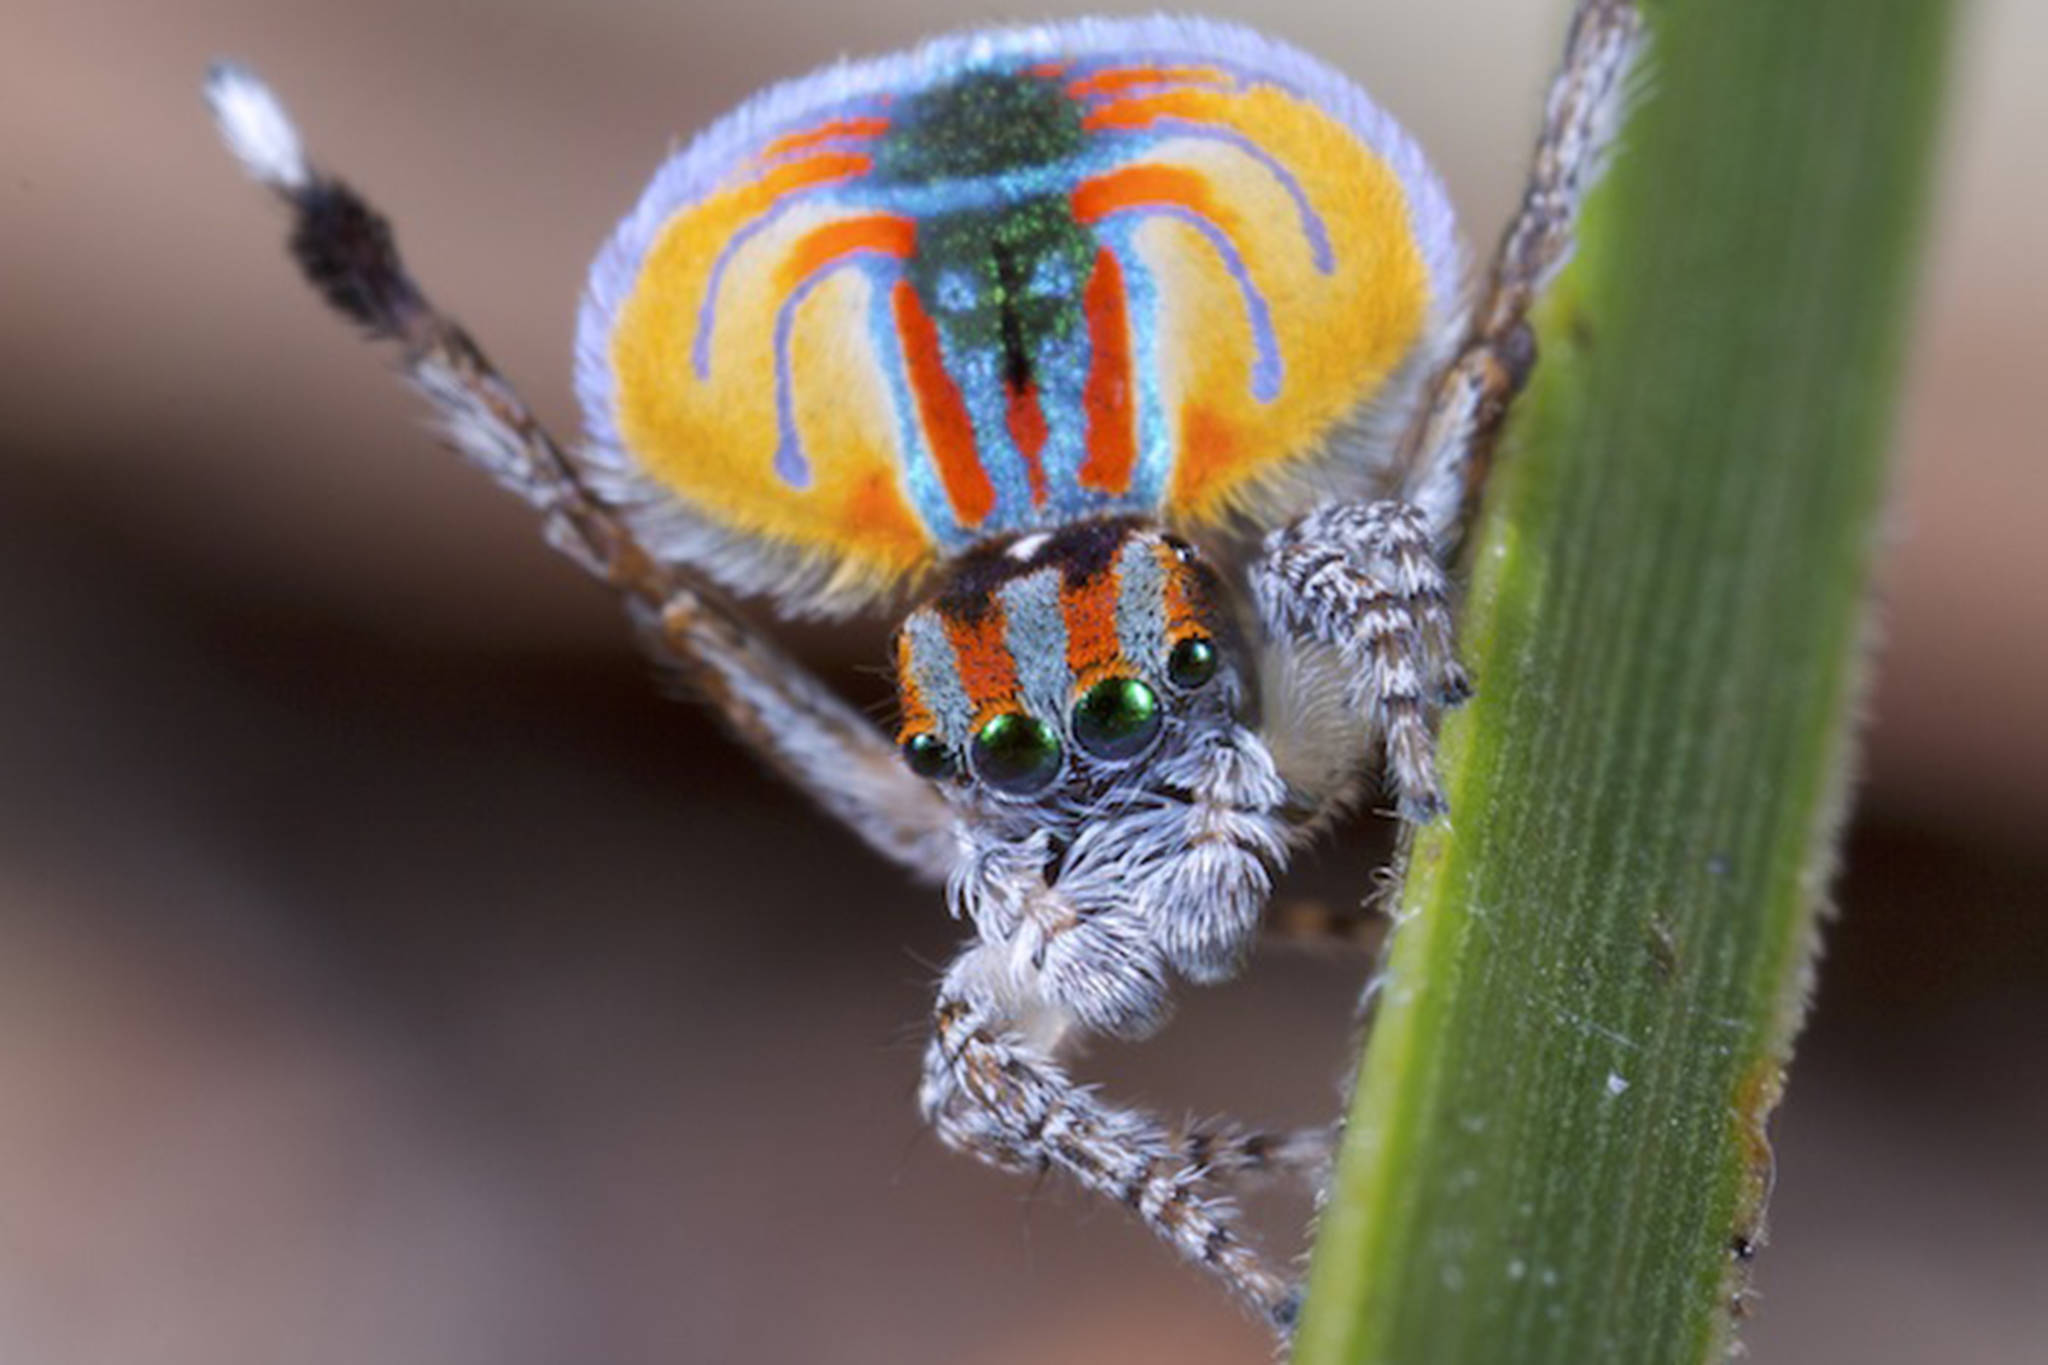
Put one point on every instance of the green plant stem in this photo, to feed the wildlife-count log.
(1558, 1149)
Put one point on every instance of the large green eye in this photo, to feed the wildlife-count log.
(1016, 753)
(1193, 662)
(928, 755)
(1117, 718)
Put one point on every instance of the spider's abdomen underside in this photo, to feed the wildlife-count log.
(1001, 283)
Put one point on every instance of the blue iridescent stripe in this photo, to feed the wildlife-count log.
(1312, 225)
(790, 465)
(1266, 368)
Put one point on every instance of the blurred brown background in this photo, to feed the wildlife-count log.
(388, 974)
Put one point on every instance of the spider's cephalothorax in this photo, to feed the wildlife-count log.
(1019, 319)
(1083, 696)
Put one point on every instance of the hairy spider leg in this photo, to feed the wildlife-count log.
(1368, 579)
(796, 725)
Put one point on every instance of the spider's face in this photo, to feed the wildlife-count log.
(1059, 671)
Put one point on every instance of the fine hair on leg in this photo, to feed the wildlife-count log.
(1368, 578)
(1453, 442)
(1363, 580)
(994, 1092)
(347, 251)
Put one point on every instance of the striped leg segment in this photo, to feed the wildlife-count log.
(1369, 578)
(1363, 579)
(992, 1093)
(1225, 1153)
(1447, 464)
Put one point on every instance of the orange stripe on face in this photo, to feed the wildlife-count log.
(883, 232)
(1094, 649)
(917, 715)
(1136, 186)
(943, 412)
(839, 127)
(1123, 77)
(1112, 425)
(1186, 597)
(981, 649)
(1141, 111)
(1026, 419)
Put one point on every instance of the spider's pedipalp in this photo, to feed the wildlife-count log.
(1363, 580)
(1228, 843)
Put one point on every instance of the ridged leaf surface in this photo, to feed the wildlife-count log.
(1558, 1147)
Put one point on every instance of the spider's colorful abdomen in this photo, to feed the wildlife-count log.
(1001, 283)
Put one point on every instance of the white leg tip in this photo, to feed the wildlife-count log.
(256, 127)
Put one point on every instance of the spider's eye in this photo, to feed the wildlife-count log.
(1016, 753)
(928, 755)
(1116, 718)
(1193, 662)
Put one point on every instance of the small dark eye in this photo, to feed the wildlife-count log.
(1116, 718)
(1193, 662)
(927, 755)
(1016, 753)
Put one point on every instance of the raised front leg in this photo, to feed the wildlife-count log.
(1367, 578)
(1363, 580)
(803, 731)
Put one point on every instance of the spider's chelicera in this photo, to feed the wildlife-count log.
(1135, 352)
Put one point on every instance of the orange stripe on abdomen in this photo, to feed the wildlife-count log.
(825, 167)
(839, 127)
(1141, 111)
(1123, 77)
(947, 430)
(882, 232)
(1025, 417)
(1134, 186)
(1112, 423)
